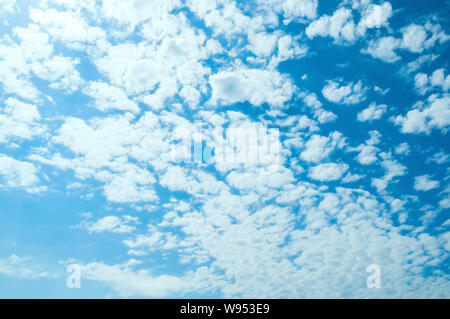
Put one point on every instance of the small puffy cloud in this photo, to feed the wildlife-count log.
(367, 151)
(328, 172)
(295, 9)
(108, 97)
(134, 12)
(424, 83)
(368, 155)
(128, 282)
(339, 26)
(424, 117)
(14, 173)
(403, 149)
(319, 147)
(19, 120)
(262, 43)
(322, 115)
(143, 75)
(67, 27)
(415, 38)
(384, 49)
(351, 178)
(439, 158)
(133, 184)
(445, 204)
(392, 169)
(374, 16)
(112, 224)
(60, 72)
(373, 112)
(352, 93)
(7, 6)
(252, 85)
(425, 183)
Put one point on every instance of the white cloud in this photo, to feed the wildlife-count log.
(403, 149)
(392, 169)
(319, 147)
(294, 10)
(16, 266)
(132, 184)
(424, 117)
(439, 158)
(111, 224)
(339, 26)
(352, 93)
(367, 151)
(415, 38)
(384, 49)
(425, 183)
(19, 120)
(108, 97)
(373, 112)
(252, 85)
(328, 172)
(67, 27)
(351, 178)
(60, 72)
(262, 43)
(322, 115)
(7, 6)
(134, 12)
(251, 231)
(424, 83)
(374, 16)
(14, 173)
(129, 283)
(259, 182)
(368, 155)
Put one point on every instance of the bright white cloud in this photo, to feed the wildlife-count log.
(374, 16)
(425, 183)
(14, 173)
(319, 147)
(252, 85)
(403, 149)
(7, 6)
(424, 117)
(424, 83)
(341, 26)
(373, 112)
(392, 169)
(108, 97)
(19, 120)
(328, 172)
(352, 93)
(111, 224)
(415, 38)
(384, 49)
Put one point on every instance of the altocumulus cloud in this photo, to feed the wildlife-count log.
(123, 108)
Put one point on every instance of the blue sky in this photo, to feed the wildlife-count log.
(98, 97)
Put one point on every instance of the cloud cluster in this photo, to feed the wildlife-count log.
(131, 105)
